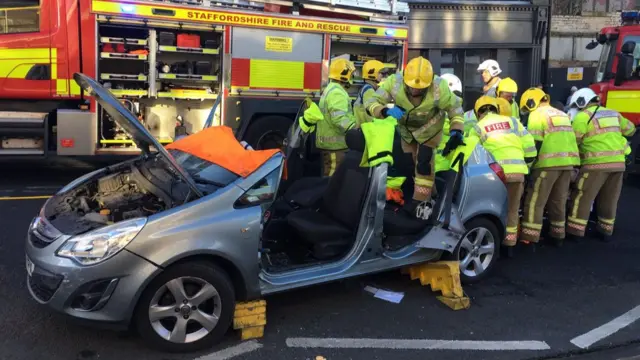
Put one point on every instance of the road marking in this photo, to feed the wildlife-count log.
(231, 352)
(407, 344)
(38, 197)
(585, 340)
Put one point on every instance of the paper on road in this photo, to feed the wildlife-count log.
(390, 296)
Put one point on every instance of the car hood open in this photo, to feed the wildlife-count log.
(128, 121)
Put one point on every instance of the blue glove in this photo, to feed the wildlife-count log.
(394, 112)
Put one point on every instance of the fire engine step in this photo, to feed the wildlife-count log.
(15, 119)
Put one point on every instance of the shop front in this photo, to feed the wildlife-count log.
(457, 36)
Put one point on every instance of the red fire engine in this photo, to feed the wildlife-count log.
(617, 79)
(171, 61)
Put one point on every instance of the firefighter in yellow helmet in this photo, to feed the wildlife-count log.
(551, 176)
(506, 139)
(600, 133)
(335, 105)
(507, 89)
(373, 73)
(420, 101)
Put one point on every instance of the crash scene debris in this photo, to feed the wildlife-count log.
(307, 179)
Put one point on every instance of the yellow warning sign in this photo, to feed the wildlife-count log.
(278, 44)
(575, 73)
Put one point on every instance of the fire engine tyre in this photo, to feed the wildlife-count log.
(478, 250)
(268, 132)
(188, 307)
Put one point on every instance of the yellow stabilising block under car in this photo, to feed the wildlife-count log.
(250, 318)
(443, 276)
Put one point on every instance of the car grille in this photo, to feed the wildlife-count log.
(43, 284)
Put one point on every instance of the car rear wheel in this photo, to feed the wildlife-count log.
(478, 250)
(188, 307)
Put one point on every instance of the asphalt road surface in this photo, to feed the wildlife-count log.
(579, 301)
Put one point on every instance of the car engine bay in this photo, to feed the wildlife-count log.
(135, 189)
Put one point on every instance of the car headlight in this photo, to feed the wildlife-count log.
(101, 244)
(78, 181)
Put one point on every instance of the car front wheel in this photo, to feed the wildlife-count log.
(188, 307)
(478, 250)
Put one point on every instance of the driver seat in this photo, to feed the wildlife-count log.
(329, 230)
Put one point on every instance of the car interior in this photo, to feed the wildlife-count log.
(315, 219)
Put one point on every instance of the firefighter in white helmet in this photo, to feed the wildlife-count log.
(455, 85)
(489, 70)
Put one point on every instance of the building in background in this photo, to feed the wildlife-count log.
(456, 36)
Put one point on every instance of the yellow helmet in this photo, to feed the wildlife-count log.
(507, 85)
(341, 70)
(531, 99)
(371, 69)
(504, 107)
(485, 101)
(418, 73)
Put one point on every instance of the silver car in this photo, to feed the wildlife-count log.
(169, 242)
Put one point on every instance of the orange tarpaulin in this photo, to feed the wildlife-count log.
(218, 145)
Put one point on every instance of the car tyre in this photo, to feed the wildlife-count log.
(206, 292)
(477, 255)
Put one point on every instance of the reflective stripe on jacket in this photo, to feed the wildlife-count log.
(378, 136)
(553, 128)
(359, 111)
(515, 111)
(423, 122)
(504, 137)
(600, 133)
(335, 105)
(470, 121)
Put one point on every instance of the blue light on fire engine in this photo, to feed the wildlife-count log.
(630, 15)
(128, 8)
(389, 32)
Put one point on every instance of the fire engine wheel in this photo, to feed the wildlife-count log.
(268, 132)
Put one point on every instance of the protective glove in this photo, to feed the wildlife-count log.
(455, 139)
(394, 112)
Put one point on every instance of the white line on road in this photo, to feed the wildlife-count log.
(231, 352)
(412, 344)
(585, 340)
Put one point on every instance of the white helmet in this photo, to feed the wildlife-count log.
(453, 81)
(490, 65)
(582, 98)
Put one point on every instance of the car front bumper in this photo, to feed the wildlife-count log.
(106, 292)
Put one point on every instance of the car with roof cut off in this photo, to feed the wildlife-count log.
(170, 241)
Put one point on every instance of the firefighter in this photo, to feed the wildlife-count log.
(420, 101)
(335, 105)
(489, 70)
(455, 85)
(600, 133)
(373, 74)
(507, 89)
(551, 175)
(507, 140)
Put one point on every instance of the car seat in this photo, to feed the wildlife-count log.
(329, 230)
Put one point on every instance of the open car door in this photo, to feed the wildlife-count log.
(448, 232)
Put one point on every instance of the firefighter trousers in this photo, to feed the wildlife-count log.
(604, 188)
(424, 176)
(330, 161)
(547, 188)
(514, 194)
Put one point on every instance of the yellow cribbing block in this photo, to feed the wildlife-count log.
(443, 276)
(250, 318)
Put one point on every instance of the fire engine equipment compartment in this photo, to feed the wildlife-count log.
(167, 78)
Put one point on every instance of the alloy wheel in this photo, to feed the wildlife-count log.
(185, 309)
(477, 249)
